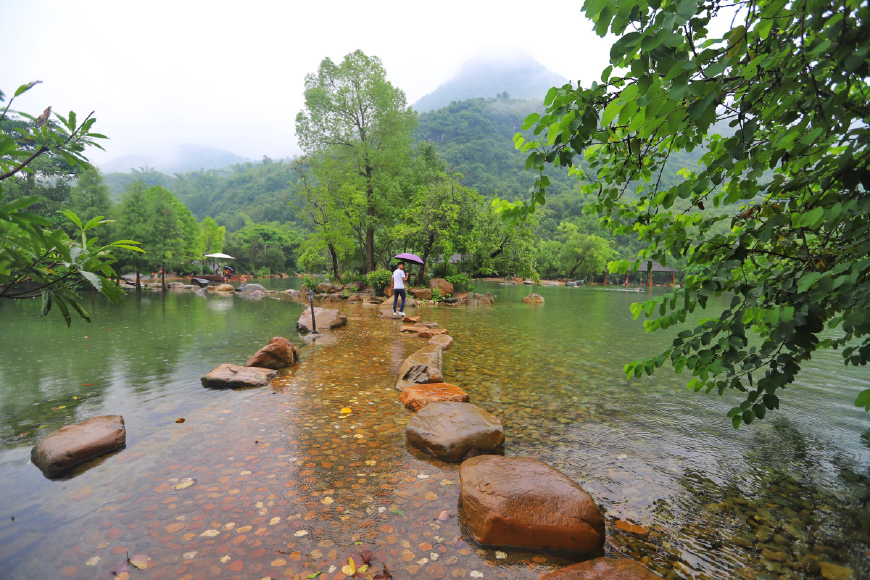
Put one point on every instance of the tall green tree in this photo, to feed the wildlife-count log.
(132, 222)
(90, 196)
(352, 108)
(582, 255)
(790, 80)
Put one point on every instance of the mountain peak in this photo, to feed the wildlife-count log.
(492, 72)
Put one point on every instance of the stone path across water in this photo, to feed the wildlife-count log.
(286, 485)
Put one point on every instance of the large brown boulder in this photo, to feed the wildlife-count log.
(533, 299)
(73, 444)
(454, 431)
(324, 318)
(278, 354)
(475, 299)
(461, 297)
(521, 501)
(443, 286)
(225, 288)
(602, 569)
(444, 341)
(234, 376)
(421, 293)
(415, 397)
(424, 366)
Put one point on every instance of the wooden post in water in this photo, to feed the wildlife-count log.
(605, 277)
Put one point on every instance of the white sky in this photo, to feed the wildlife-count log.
(231, 74)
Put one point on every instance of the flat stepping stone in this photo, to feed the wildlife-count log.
(74, 444)
(522, 501)
(229, 376)
(411, 319)
(324, 319)
(444, 341)
(418, 329)
(602, 569)
(454, 431)
(415, 397)
(424, 366)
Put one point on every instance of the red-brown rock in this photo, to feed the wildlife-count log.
(475, 299)
(411, 319)
(454, 431)
(521, 501)
(415, 397)
(444, 341)
(430, 332)
(73, 444)
(602, 569)
(424, 366)
(421, 293)
(234, 376)
(533, 299)
(443, 286)
(278, 354)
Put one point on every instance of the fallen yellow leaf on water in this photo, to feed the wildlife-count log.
(210, 533)
(140, 561)
(184, 484)
(349, 569)
(326, 501)
(344, 410)
(301, 533)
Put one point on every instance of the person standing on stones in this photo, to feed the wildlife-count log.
(399, 277)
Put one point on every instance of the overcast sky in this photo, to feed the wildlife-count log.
(231, 74)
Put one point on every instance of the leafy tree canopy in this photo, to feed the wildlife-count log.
(790, 80)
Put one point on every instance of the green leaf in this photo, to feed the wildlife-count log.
(398, 511)
(72, 217)
(24, 88)
(863, 399)
(314, 574)
(807, 280)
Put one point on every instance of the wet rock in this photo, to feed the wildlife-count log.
(444, 341)
(255, 295)
(421, 293)
(234, 376)
(354, 298)
(521, 501)
(602, 569)
(533, 299)
(225, 288)
(411, 319)
(831, 571)
(430, 332)
(424, 366)
(443, 286)
(454, 431)
(73, 444)
(250, 288)
(387, 303)
(174, 285)
(324, 318)
(461, 297)
(329, 288)
(278, 354)
(354, 286)
(415, 397)
(475, 299)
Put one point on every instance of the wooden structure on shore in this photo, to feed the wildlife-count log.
(645, 269)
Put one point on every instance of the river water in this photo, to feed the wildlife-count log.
(287, 486)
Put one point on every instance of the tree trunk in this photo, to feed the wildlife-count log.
(425, 256)
(138, 285)
(334, 256)
(577, 265)
(370, 228)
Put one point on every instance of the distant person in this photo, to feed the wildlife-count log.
(399, 277)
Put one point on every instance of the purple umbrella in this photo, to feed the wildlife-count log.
(410, 258)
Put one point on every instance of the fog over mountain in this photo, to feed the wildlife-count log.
(493, 72)
(188, 157)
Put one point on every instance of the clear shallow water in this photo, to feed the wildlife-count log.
(683, 491)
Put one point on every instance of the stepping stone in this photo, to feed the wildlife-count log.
(415, 397)
(445, 341)
(430, 332)
(324, 318)
(455, 431)
(73, 444)
(229, 376)
(424, 366)
(522, 501)
(411, 319)
(602, 569)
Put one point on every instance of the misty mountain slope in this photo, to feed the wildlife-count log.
(189, 157)
(493, 73)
